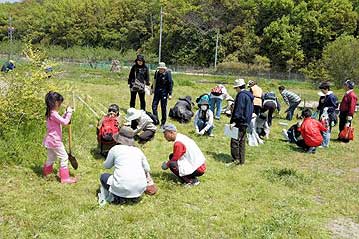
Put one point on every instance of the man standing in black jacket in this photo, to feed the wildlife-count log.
(162, 89)
(241, 118)
(139, 77)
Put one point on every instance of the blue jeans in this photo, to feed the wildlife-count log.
(216, 103)
(201, 125)
(326, 138)
(290, 110)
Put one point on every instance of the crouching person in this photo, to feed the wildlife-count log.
(128, 182)
(142, 124)
(187, 161)
(203, 120)
(311, 131)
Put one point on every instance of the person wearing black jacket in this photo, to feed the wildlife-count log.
(162, 89)
(139, 77)
(241, 118)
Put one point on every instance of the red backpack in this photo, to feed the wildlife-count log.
(108, 129)
(217, 91)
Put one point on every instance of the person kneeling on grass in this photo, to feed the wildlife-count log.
(203, 120)
(187, 161)
(141, 121)
(311, 131)
(131, 175)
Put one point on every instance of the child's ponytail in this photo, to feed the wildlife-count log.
(50, 100)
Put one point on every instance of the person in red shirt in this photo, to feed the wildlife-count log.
(347, 105)
(187, 161)
(311, 131)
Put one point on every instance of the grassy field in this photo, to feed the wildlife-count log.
(280, 192)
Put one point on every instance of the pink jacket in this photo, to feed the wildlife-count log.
(53, 137)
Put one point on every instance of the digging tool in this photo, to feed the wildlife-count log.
(72, 158)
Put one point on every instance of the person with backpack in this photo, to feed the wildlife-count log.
(186, 161)
(182, 111)
(217, 95)
(162, 90)
(107, 127)
(291, 99)
(241, 118)
(270, 104)
(257, 94)
(8, 66)
(131, 169)
(142, 124)
(328, 103)
(347, 107)
(53, 138)
(311, 132)
(203, 119)
(138, 78)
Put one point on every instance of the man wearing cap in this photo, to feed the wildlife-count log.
(162, 89)
(139, 77)
(347, 105)
(131, 166)
(187, 161)
(141, 122)
(257, 94)
(241, 118)
(203, 119)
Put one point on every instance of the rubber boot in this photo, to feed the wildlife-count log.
(47, 169)
(65, 176)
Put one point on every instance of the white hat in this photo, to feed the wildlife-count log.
(238, 83)
(162, 65)
(133, 114)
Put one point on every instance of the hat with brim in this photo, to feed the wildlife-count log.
(239, 83)
(125, 136)
(203, 102)
(162, 65)
(132, 114)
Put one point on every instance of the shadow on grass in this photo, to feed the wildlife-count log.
(296, 148)
(222, 157)
(37, 169)
(95, 152)
(165, 176)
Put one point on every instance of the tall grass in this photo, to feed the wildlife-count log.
(280, 192)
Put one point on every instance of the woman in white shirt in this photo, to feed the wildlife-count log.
(131, 168)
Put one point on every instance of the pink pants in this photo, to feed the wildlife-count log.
(54, 153)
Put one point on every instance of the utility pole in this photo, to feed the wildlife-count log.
(160, 45)
(216, 52)
(10, 31)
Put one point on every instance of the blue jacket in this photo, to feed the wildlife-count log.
(330, 101)
(243, 109)
(163, 83)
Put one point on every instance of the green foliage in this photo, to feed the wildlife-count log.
(292, 34)
(21, 100)
(340, 59)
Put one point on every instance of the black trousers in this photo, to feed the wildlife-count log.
(142, 99)
(156, 99)
(257, 109)
(342, 120)
(185, 179)
(290, 110)
(145, 136)
(238, 146)
(270, 106)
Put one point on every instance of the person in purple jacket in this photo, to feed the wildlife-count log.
(53, 138)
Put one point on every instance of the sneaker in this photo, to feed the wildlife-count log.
(194, 182)
(217, 118)
(233, 163)
(285, 135)
(211, 135)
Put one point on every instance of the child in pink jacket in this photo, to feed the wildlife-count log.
(53, 138)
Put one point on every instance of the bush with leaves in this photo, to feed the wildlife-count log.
(22, 95)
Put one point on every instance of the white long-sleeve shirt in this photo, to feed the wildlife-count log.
(129, 178)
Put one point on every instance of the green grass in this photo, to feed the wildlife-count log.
(279, 192)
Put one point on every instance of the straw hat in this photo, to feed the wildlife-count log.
(238, 83)
(125, 136)
(133, 114)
